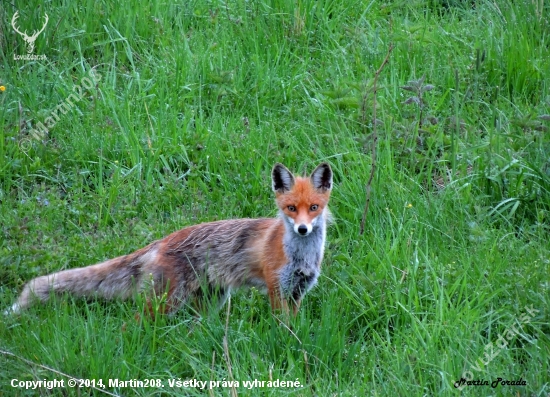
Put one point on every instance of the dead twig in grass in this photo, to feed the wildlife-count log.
(211, 391)
(374, 135)
(226, 350)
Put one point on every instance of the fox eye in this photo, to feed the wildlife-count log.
(291, 208)
(313, 207)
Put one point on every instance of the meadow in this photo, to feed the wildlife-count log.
(139, 118)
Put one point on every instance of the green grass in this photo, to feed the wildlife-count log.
(193, 103)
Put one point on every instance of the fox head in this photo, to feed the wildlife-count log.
(302, 201)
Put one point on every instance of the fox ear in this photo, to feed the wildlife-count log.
(321, 177)
(283, 180)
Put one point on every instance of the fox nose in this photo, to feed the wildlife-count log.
(302, 229)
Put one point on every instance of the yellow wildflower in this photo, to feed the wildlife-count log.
(2, 88)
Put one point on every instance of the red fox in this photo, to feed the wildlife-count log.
(281, 256)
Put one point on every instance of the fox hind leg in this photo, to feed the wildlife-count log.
(210, 296)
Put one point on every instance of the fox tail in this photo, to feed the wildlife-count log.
(115, 278)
